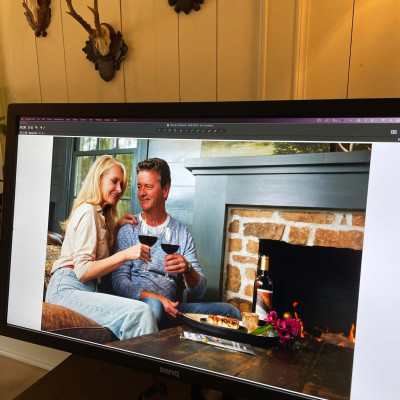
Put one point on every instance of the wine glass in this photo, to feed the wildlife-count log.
(170, 242)
(147, 237)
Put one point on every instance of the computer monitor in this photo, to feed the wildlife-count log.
(313, 185)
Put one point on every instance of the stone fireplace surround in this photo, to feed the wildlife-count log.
(246, 226)
(320, 185)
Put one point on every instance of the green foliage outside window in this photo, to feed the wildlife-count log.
(106, 143)
(123, 207)
(87, 144)
(295, 148)
(127, 160)
(83, 164)
(237, 148)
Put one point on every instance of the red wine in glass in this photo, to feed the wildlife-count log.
(148, 240)
(170, 248)
(169, 240)
(146, 237)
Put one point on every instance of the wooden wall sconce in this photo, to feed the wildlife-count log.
(105, 48)
(185, 5)
(38, 14)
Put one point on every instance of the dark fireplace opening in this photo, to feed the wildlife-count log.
(322, 281)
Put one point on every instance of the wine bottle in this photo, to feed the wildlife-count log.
(263, 290)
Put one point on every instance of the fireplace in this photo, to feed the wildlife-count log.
(315, 263)
(320, 183)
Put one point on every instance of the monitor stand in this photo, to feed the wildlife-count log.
(85, 378)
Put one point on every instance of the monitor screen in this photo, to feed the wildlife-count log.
(287, 210)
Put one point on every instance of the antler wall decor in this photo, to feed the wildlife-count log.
(105, 48)
(185, 5)
(38, 14)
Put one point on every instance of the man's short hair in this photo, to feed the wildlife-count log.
(158, 165)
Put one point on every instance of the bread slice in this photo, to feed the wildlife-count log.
(225, 322)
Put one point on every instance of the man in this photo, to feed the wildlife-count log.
(161, 284)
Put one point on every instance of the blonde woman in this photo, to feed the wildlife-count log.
(90, 233)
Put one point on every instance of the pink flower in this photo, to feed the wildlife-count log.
(283, 337)
(282, 331)
(293, 326)
(286, 329)
(280, 325)
(271, 317)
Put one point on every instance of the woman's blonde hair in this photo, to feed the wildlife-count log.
(91, 193)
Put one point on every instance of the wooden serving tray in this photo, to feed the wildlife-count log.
(196, 321)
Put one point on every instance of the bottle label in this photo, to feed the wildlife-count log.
(264, 303)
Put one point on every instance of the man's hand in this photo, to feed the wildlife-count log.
(170, 307)
(175, 264)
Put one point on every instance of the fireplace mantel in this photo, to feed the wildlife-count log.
(312, 181)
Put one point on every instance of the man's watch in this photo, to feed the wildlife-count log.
(189, 268)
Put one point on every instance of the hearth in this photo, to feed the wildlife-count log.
(320, 284)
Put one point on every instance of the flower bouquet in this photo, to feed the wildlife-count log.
(288, 330)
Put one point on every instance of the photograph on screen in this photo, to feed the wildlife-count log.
(301, 204)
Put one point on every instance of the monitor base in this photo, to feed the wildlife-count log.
(83, 378)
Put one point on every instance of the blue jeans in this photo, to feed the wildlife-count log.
(163, 321)
(126, 318)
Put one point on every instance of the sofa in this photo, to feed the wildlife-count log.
(62, 320)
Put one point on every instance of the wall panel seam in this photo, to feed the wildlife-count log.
(300, 49)
(216, 51)
(351, 43)
(65, 58)
(123, 63)
(179, 59)
(262, 94)
(38, 70)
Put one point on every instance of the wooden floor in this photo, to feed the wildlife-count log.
(16, 376)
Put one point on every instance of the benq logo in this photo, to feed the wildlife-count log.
(168, 371)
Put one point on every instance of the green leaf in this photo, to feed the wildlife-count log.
(262, 330)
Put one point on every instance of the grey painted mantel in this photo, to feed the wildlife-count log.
(319, 180)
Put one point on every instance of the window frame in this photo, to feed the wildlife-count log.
(139, 154)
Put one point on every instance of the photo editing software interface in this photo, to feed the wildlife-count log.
(319, 196)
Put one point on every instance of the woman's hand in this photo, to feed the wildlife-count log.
(104, 266)
(126, 219)
(138, 252)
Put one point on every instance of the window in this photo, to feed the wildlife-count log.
(128, 151)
